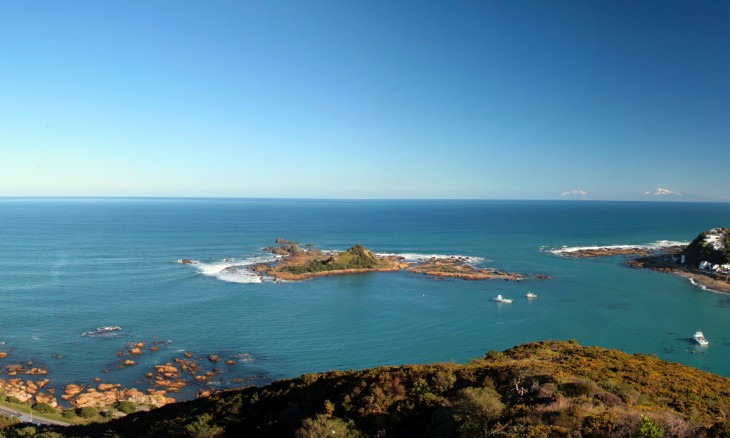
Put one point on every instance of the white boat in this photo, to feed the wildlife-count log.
(700, 338)
(531, 295)
(501, 299)
(102, 330)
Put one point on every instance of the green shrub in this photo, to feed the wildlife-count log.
(68, 413)
(322, 425)
(87, 412)
(7, 422)
(474, 408)
(126, 406)
(201, 427)
(13, 399)
(647, 429)
(44, 408)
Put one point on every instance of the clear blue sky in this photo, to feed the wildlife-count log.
(369, 99)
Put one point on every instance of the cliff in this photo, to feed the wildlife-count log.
(712, 246)
(543, 389)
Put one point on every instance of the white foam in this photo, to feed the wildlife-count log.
(704, 288)
(655, 246)
(233, 270)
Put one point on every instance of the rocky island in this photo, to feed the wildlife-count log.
(297, 263)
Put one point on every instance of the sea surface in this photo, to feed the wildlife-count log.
(70, 266)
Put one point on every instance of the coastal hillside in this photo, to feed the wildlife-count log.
(543, 389)
(711, 246)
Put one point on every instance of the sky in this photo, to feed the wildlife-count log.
(488, 99)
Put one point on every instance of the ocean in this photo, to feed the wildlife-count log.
(70, 266)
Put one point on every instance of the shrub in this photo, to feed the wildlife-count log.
(201, 427)
(44, 408)
(443, 380)
(7, 422)
(321, 426)
(126, 407)
(13, 399)
(578, 387)
(68, 413)
(647, 429)
(474, 408)
(86, 412)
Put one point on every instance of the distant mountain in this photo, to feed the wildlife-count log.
(711, 246)
(543, 389)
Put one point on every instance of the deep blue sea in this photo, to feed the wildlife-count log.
(68, 266)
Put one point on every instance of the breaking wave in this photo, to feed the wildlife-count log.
(234, 270)
(655, 246)
(231, 270)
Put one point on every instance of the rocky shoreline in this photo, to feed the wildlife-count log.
(609, 251)
(668, 263)
(158, 382)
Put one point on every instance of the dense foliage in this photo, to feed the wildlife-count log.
(545, 389)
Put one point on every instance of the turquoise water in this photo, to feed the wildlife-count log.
(68, 266)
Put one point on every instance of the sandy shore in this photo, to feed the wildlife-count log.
(664, 263)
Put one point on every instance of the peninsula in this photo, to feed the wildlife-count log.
(297, 263)
(705, 261)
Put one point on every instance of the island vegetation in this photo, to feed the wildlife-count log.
(297, 263)
(543, 389)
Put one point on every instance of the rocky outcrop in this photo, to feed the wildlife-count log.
(711, 246)
(27, 390)
(457, 268)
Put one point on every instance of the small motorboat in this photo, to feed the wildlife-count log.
(501, 299)
(531, 295)
(699, 337)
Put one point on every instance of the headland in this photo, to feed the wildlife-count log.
(705, 261)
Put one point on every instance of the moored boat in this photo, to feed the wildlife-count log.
(531, 295)
(699, 337)
(501, 299)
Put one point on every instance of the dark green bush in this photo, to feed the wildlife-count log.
(87, 412)
(68, 413)
(44, 408)
(126, 406)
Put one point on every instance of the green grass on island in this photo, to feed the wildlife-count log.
(357, 257)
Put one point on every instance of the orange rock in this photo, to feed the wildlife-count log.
(154, 348)
(230, 362)
(47, 399)
(129, 362)
(135, 350)
(73, 389)
(3, 355)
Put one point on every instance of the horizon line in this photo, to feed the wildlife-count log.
(283, 198)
